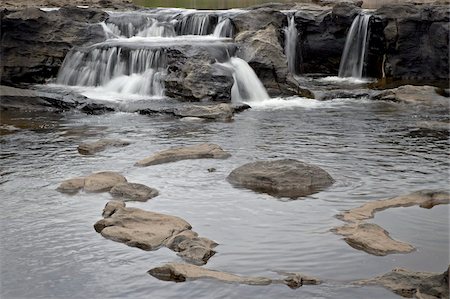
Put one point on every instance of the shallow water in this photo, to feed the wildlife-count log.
(49, 248)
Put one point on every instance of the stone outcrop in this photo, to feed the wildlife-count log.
(182, 272)
(35, 42)
(150, 231)
(411, 94)
(411, 284)
(96, 182)
(200, 151)
(90, 148)
(133, 191)
(372, 238)
(283, 178)
(110, 4)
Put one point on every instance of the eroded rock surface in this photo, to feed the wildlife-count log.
(372, 238)
(133, 191)
(96, 182)
(182, 272)
(150, 231)
(200, 151)
(284, 178)
(410, 284)
(210, 112)
(100, 145)
(411, 94)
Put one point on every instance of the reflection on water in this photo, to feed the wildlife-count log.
(49, 248)
(225, 4)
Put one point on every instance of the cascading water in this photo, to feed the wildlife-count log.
(247, 87)
(224, 28)
(352, 60)
(290, 44)
(196, 24)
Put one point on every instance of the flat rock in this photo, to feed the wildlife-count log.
(372, 239)
(211, 112)
(411, 94)
(284, 178)
(103, 181)
(71, 186)
(100, 145)
(200, 151)
(182, 272)
(150, 231)
(133, 191)
(411, 284)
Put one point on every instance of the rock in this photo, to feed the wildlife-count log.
(372, 239)
(284, 178)
(200, 151)
(102, 181)
(95, 109)
(414, 48)
(133, 191)
(410, 284)
(71, 186)
(150, 231)
(110, 4)
(34, 42)
(411, 94)
(182, 272)
(222, 112)
(100, 145)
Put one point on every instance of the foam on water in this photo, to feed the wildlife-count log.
(300, 102)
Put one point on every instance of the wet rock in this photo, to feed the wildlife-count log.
(284, 178)
(411, 94)
(100, 145)
(133, 191)
(414, 47)
(408, 284)
(222, 112)
(95, 109)
(102, 181)
(150, 231)
(237, 108)
(34, 42)
(200, 151)
(372, 238)
(71, 186)
(182, 272)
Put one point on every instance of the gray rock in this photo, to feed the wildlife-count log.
(222, 112)
(133, 191)
(412, 94)
(150, 231)
(283, 178)
(100, 145)
(200, 151)
(102, 181)
(410, 284)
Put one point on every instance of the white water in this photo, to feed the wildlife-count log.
(352, 60)
(290, 44)
(247, 87)
(224, 28)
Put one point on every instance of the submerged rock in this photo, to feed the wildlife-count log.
(200, 151)
(150, 231)
(133, 191)
(100, 145)
(284, 178)
(410, 284)
(182, 272)
(372, 238)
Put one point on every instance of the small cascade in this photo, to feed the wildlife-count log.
(224, 28)
(196, 24)
(290, 44)
(352, 60)
(136, 71)
(247, 87)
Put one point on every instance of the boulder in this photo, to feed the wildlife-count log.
(71, 186)
(281, 178)
(411, 94)
(150, 231)
(416, 41)
(110, 4)
(200, 151)
(133, 191)
(102, 181)
(408, 284)
(100, 145)
(222, 112)
(34, 42)
(182, 272)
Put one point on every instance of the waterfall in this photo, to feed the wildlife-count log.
(290, 44)
(352, 60)
(247, 87)
(224, 28)
(137, 71)
(196, 24)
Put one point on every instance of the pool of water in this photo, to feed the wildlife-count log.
(49, 248)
